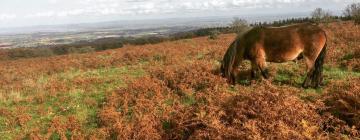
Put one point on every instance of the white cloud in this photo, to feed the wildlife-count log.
(41, 14)
(5, 17)
(53, 1)
(75, 10)
(143, 7)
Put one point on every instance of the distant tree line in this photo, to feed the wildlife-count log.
(289, 21)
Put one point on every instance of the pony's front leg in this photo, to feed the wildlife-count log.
(261, 65)
(264, 72)
(253, 74)
(254, 70)
(259, 61)
(233, 72)
(232, 78)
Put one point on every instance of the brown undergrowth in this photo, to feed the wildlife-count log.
(179, 103)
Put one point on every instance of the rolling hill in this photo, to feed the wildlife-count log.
(173, 90)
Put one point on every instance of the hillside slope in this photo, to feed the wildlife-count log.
(173, 90)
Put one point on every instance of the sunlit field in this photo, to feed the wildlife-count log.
(173, 90)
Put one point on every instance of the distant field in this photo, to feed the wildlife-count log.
(59, 37)
(172, 90)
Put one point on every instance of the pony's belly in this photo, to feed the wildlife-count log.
(278, 60)
(284, 57)
(292, 57)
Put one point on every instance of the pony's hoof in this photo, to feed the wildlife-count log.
(231, 82)
(267, 77)
(305, 86)
(316, 86)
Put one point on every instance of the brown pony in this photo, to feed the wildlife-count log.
(278, 44)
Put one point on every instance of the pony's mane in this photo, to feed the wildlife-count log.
(231, 53)
(229, 59)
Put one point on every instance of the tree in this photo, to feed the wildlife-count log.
(320, 15)
(239, 25)
(352, 11)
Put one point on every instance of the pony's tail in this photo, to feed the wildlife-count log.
(317, 75)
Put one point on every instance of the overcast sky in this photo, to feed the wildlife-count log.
(50, 12)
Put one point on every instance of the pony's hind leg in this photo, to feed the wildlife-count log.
(309, 72)
(307, 81)
(318, 68)
(314, 63)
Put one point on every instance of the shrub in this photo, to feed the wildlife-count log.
(21, 52)
(353, 11)
(60, 50)
(239, 25)
(343, 101)
(214, 34)
(85, 49)
(29, 52)
(320, 15)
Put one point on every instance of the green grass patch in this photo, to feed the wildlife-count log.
(200, 56)
(310, 95)
(4, 132)
(282, 77)
(332, 73)
(166, 125)
(188, 100)
(289, 73)
(244, 82)
(82, 98)
(291, 76)
(169, 102)
(286, 76)
(348, 56)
